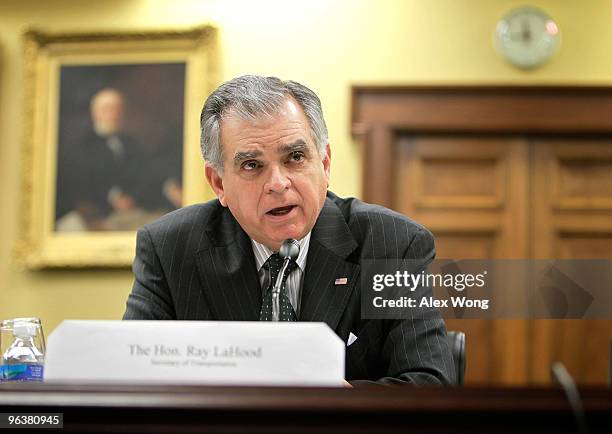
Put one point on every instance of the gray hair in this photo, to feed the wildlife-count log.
(252, 97)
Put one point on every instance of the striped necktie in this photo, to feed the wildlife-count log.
(286, 311)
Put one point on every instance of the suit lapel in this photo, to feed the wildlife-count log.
(323, 297)
(228, 272)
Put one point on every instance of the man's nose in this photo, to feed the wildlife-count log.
(278, 180)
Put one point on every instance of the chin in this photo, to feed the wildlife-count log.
(281, 236)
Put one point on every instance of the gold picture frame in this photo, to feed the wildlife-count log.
(64, 177)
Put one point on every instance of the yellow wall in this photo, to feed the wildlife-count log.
(327, 45)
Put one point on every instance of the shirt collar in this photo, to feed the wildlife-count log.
(262, 253)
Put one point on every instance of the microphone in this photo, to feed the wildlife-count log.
(289, 250)
(567, 383)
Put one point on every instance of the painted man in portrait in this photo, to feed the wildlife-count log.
(106, 180)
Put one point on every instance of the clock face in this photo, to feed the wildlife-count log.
(527, 37)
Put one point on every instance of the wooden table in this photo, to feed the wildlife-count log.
(174, 409)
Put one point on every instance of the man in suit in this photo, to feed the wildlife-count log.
(106, 174)
(268, 161)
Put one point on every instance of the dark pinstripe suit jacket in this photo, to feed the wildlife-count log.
(197, 264)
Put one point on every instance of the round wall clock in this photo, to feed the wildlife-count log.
(527, 37)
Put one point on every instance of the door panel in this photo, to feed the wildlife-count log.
(470, 192)
(572, 209)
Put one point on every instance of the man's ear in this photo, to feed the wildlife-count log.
(216, 183)
(327, 162)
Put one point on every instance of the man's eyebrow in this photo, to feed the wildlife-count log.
(246, 155)
(298, 145)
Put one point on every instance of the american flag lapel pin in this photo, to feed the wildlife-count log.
(341, 281)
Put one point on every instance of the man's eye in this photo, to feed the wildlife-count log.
(297, 156)
(250, 165)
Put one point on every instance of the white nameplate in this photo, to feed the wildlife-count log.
(195, 352)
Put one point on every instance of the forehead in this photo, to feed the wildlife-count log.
(280, 128)
(106, 99)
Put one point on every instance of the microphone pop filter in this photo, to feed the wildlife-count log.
(289, 249)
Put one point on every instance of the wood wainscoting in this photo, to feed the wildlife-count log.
(494, 173)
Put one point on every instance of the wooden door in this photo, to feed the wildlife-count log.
(500, 172)
(470, 191)
(572, 219)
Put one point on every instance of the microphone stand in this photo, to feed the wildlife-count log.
(290, 249)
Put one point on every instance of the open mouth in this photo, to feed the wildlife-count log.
(283, 210)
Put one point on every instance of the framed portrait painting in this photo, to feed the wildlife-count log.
(111, 140)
